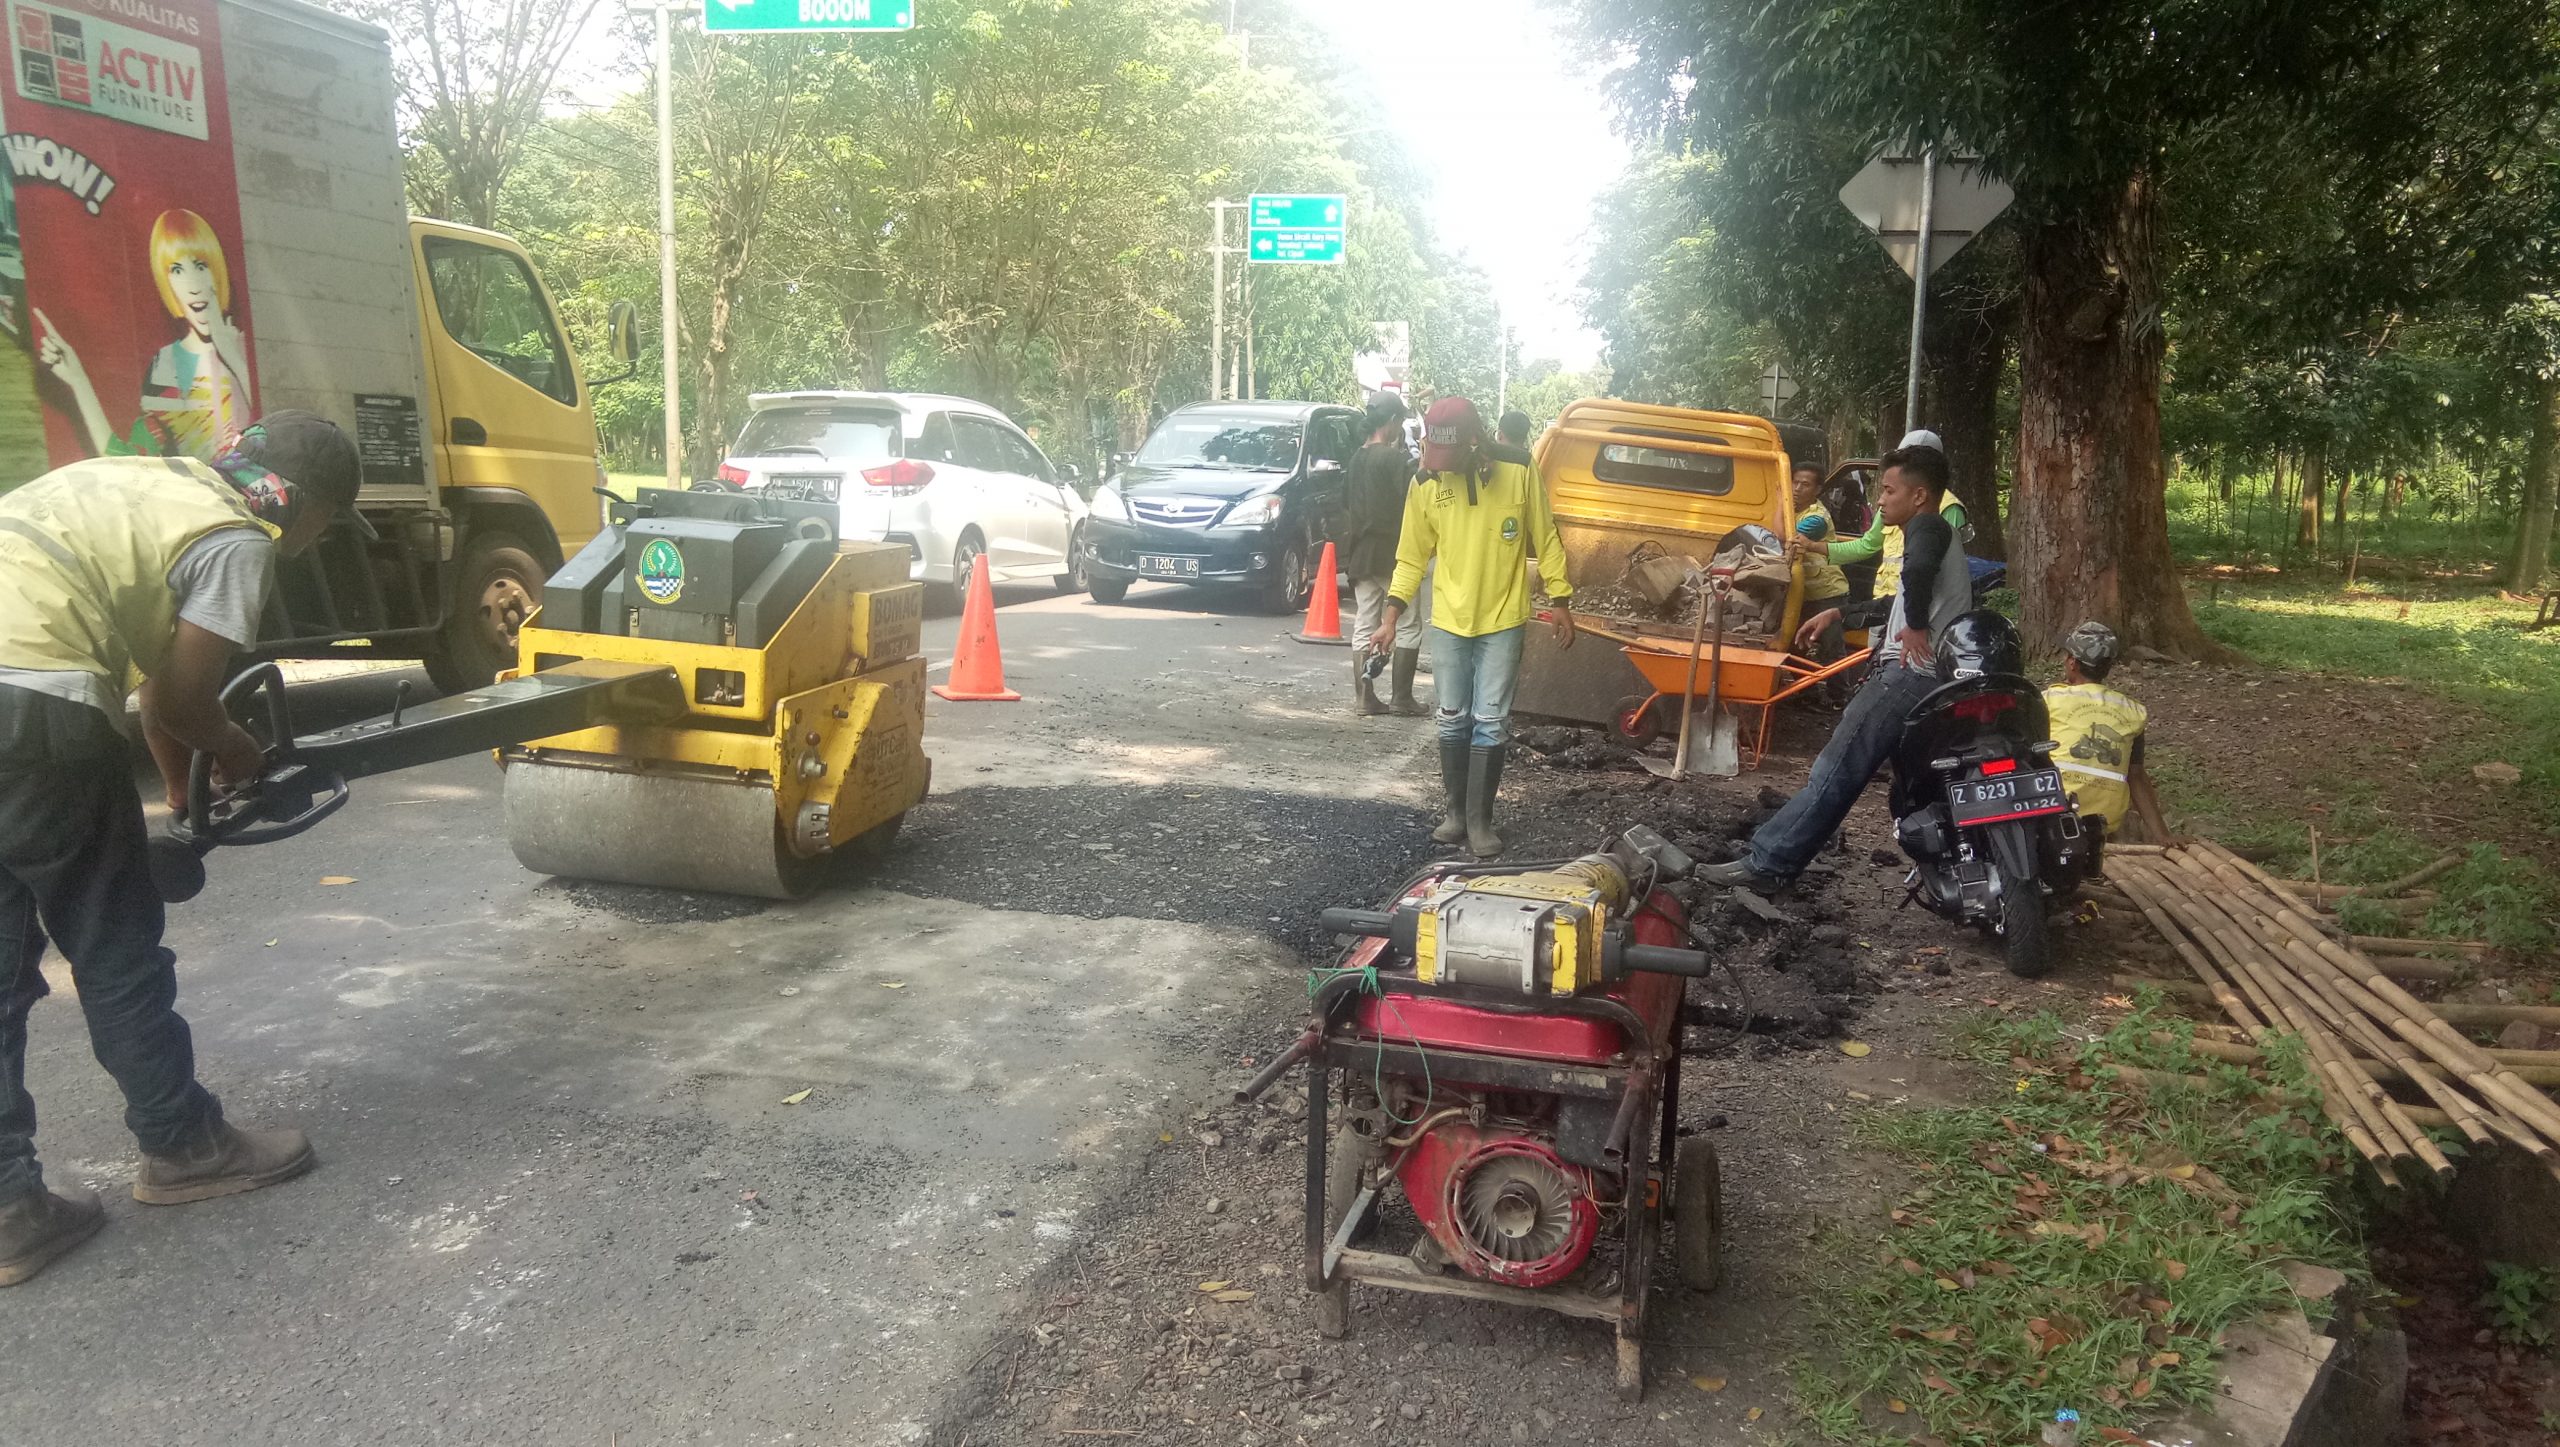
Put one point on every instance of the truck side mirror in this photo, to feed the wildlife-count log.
(622, 339)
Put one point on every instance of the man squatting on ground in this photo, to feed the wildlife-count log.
(1479, 510)
(1935, 588)
(1381, 476)
(156, 567)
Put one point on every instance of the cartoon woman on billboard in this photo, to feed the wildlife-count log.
(196, 390)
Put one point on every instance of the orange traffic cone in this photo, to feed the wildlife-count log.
(977, 665)
(1324, 606)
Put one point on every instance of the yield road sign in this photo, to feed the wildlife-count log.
(738, 17)
(1297, 230)
(1886, 196)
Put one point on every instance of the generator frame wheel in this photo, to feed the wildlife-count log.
(1697, 1216)
(1636, 720)
(1346, 1164)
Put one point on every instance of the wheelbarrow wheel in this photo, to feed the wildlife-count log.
(1346, 1164)
(1697, 1226)
(1635, 720)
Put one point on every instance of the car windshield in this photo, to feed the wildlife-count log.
(839, 434)
(1244, 441)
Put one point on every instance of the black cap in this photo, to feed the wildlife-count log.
(310, 452)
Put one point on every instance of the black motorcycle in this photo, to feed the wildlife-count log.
(1978, 807)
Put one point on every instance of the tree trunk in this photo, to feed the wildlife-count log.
(1966, 352)
(2534, 523)
(2338, 518)
(710, 441)
(2315, 477)
(2089, 520)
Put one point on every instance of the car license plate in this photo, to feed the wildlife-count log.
(804, 486)
(1157, 565)
(2021, 795)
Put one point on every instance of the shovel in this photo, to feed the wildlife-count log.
(1722, 753)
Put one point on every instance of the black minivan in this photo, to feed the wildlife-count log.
(1225, 492)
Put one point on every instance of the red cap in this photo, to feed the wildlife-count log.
(1451, 431)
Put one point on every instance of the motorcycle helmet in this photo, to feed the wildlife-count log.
(1978, 643)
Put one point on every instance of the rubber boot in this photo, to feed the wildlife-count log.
(222, 1160)
(1483, 779)
(1456, 758)
(1364, 692)
(1400, 674)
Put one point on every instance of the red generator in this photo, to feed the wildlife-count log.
(1504, 1047)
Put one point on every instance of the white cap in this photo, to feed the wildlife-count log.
(1923, 437)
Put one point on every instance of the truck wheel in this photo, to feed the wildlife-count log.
(1284, 590)
(497, 585)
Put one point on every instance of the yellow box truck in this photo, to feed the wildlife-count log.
(205, 221)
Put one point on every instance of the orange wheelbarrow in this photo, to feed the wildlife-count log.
(1748, 677)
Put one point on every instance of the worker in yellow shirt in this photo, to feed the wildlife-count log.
(1885, 544)
(1478, 509)
(1825, 586)
(2097, 735)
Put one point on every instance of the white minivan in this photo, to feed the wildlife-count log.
(953, 479)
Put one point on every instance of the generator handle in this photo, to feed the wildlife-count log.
(1664, 960)
(1395, 926)
(1298, 1050)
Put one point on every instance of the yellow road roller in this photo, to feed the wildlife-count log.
(718, 693)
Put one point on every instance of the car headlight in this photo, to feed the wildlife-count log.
(1253, 512)
(1108, 504)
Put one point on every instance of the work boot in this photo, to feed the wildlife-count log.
(1456, 758)
(1738, 874)
(1400, 677)
(222, 1160)
(1364, 690)
(1482, 780)
(41, 1225)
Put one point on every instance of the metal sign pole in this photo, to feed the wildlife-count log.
(1920, 282)
(662, 53)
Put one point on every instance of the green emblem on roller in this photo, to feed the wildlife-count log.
(661, 571)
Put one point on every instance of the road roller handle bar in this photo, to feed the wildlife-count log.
(1398, 928)
(287, 797)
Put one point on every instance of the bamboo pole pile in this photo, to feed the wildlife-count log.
(2257, 950)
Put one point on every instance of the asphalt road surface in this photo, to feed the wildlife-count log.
(562, 1196)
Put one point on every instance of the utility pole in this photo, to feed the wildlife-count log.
(662, 59)
(1920, 281)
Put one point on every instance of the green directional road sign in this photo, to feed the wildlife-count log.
(1295, 230)
(735, 17)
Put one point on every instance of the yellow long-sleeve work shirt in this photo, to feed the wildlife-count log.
(1483, 537)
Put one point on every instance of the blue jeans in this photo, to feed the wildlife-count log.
(72, 864)
(1474, 679)
(1859, 746)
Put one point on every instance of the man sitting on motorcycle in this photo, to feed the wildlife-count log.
(1935, 589)
(2097, 735)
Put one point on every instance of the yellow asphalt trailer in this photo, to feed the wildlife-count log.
(784, 754)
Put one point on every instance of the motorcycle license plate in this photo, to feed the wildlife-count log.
(1156, 565)
(2022, 795)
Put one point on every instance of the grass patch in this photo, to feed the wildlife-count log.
(2465, 644)
(2079, 1245)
